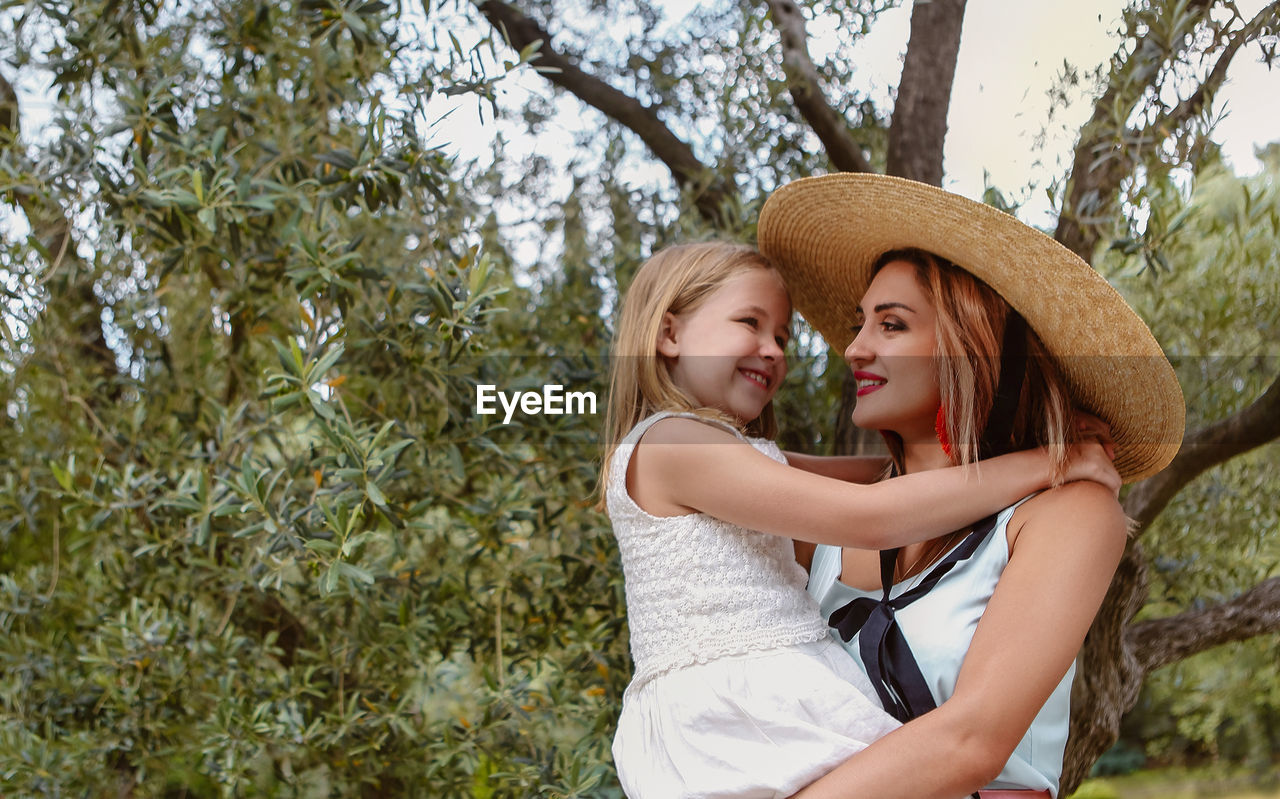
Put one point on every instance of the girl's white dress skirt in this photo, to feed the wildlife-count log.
(757, 725)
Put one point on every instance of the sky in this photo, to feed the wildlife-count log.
(1011, 54)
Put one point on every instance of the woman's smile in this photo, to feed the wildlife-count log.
(867, 382)
(892, 356)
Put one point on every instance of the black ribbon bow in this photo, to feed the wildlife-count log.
(888, 658)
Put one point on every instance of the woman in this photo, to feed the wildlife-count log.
(970, 334)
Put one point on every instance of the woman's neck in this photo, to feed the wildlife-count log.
(923, 456)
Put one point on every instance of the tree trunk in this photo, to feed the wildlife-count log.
(919, 126)
(1116, 658)
(1108, 676)
(917, 134)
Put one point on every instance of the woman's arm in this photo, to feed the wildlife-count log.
(849, 468)
(1065, 550)
(684, 465)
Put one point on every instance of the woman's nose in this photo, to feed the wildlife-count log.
(857, 351)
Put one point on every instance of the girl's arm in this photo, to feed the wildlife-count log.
(870, 468)
(684, 465)
(850, 468)
(1067, 546)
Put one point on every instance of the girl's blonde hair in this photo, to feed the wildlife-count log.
(970, 325)
(674, 280)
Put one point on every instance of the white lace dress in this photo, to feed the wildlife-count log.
(738, 690)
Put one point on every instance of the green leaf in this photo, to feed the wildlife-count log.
(322, 408)
(354, 573)
(350, 544)
(219, 141)
(326, 362)
(322, 547)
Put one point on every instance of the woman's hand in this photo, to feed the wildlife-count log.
(1091, 460)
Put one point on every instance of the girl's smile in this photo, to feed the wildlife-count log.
(728, 353)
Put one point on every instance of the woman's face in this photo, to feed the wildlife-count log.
(892, 356)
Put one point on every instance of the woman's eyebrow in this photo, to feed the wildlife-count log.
(885, 306)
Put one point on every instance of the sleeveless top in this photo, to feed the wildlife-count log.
(699, 589)
(939, 627)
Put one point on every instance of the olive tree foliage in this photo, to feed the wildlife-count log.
(253, 539)
(733, 101)
(1203, 272)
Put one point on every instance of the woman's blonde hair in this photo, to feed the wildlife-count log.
(674, 280)
(970, 326)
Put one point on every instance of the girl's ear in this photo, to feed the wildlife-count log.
(667, 335)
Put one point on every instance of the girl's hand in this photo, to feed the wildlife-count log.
(1090, 426)
(1091, 460)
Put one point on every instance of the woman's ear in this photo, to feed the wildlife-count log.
(667, 335)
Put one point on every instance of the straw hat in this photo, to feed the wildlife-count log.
(824, 233)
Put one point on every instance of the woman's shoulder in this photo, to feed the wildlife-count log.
(1081, 509)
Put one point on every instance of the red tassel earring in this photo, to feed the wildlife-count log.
(940, 427)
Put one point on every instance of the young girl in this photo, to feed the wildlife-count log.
(738, 689)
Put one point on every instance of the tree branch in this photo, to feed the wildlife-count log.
(1195, 103)
(805, 86)
(919, 125)
(71, 295)
(1103, 157)
(1251, 427)
(1160, 642)
(709, 193)
(1095, 174)
(917, 134)
(8, 110)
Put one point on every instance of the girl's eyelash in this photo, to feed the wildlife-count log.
(750, 320)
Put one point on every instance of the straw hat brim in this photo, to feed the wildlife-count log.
(825, 233)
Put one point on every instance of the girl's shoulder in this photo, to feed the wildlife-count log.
(684, 427)
(658, 434)
(671, 427)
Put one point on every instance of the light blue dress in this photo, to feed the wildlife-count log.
(939, 627)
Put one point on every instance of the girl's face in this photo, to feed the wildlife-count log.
(728, 353)
(892, 356)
